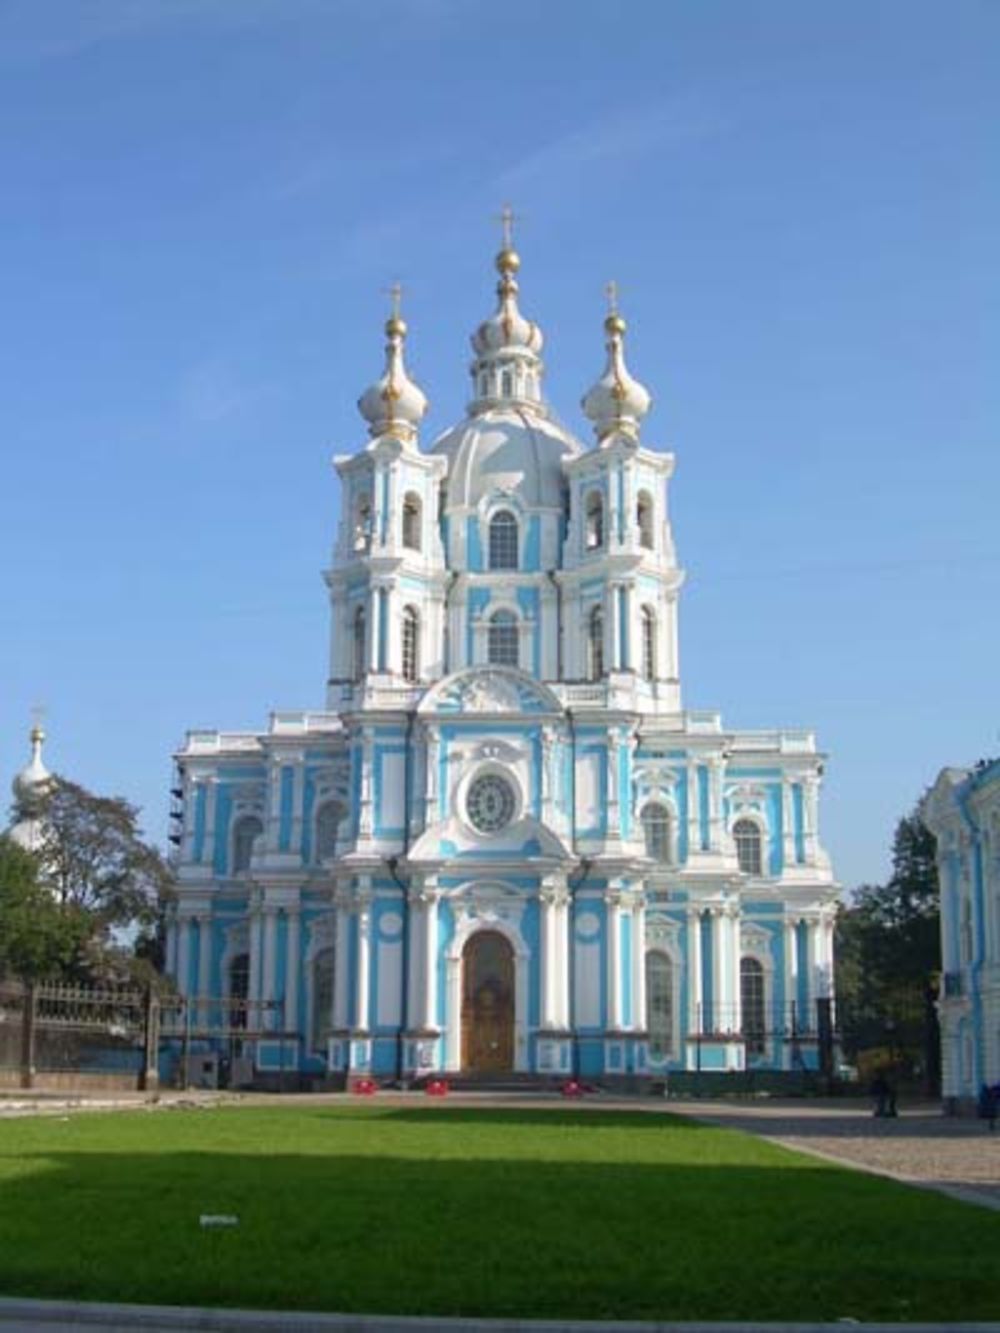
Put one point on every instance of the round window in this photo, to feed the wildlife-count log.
(490, 803)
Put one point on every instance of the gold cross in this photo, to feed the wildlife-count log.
(611, 292)
(396, 297)
(507, 218)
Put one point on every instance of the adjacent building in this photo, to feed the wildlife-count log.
(962, 810)
(504, 845)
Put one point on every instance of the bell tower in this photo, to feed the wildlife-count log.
(387, 576)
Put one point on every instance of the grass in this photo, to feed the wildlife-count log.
(454, 1211)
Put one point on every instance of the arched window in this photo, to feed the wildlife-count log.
(748, 846)
(644, 519)
(752, 1004)
(648, 643)
(328, 819)
(360, 645)
(595, 644)
(245, 830)
(238, 982)
(660, 1004)
(363, 523)
(503, 540)
(657, 833)
(411, 522)
(411, 644)
(505, 384)
(322, 999)
(502, 645)
(593, 536)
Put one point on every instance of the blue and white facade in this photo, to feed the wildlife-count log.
(505, 844)
(962, 810)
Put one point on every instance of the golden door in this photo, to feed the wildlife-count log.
(487, 1003)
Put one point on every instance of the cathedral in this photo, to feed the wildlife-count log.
(504, 846)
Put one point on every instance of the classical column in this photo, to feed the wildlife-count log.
(293, 920)
(374, 627)
(615, 662)
(735, 989)
(429, 1009)
(614, 817)
(365, 815)
(204, 920)
(341, 958)
(720, 990)
(613, 908)
(787, 824)
(274, 806)
(693, 811)
(190, 799)
(552, 899)
(715, 805)
(639, 1019)
(696, 978)
(208, 845)
(298, 804)
(792, 971)
(810, 803)
(269, 970)
(184, 954)
(562, 948)
(432, 750)
(363, 978)
(548, 755)
(171, 959)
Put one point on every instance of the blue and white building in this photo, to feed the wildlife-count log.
(962, 810)
(504, 844)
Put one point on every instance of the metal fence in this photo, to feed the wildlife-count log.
(119, 1037)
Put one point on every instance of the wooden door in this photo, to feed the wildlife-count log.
(487, 1003)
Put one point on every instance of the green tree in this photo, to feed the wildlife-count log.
(888, 951)
(38, 936)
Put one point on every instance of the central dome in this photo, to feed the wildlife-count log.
(509, 449)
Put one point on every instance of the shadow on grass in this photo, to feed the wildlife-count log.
(588, 1117)
(500, 1237)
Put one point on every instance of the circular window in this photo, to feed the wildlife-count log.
(490, 803)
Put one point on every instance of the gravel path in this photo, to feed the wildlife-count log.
(922, 1147)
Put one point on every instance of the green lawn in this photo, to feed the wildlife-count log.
(568, 1212)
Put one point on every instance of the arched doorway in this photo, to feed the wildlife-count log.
(487, 1003)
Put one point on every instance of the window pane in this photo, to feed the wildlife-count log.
(752, 1004)
(660, 1005)
(322, 996)
(748, 846)
(503, 541)
(656, 828)
(502, 645)
(595, 634)
(247, 829)
(411, 644)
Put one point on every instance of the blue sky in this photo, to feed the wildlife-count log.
(203, 202)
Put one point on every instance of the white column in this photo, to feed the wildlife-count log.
(171, 959)
(613, 902)
(341, 960)
(810, 802)
(298, 804)
(205, 962)
(792, 971)
(720, 993)
(693, 811)
(274, 806)
(208, 845)
(615, 661)
(429, 1009)
(365, 814)
(374, 627)
(715, 805)
(696, 979)
(363, 979)
(190, 799)
(639, 964)
(562, 948)
(548, 903)
(548, 758)
(256, 951)
(614, 808)
(184, 955)
(292, 938)
(432, 744)
(270, 961)
(735, 990)
(787, 824)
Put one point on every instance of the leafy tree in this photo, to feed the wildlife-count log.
(888, 952)
(38, 936)
(94, 859)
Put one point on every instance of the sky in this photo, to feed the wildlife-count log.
(203, 202)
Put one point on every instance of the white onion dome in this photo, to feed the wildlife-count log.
(506, 449)
(31, 784)
(394, 405)
(617, 402)
(507, 329)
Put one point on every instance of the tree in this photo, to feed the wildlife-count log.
(38, 937)
(888, 952)
(104, 881)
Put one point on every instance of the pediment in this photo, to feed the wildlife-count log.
(488, 690)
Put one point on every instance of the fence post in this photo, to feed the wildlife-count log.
(149, 1079)
(28, 1017)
